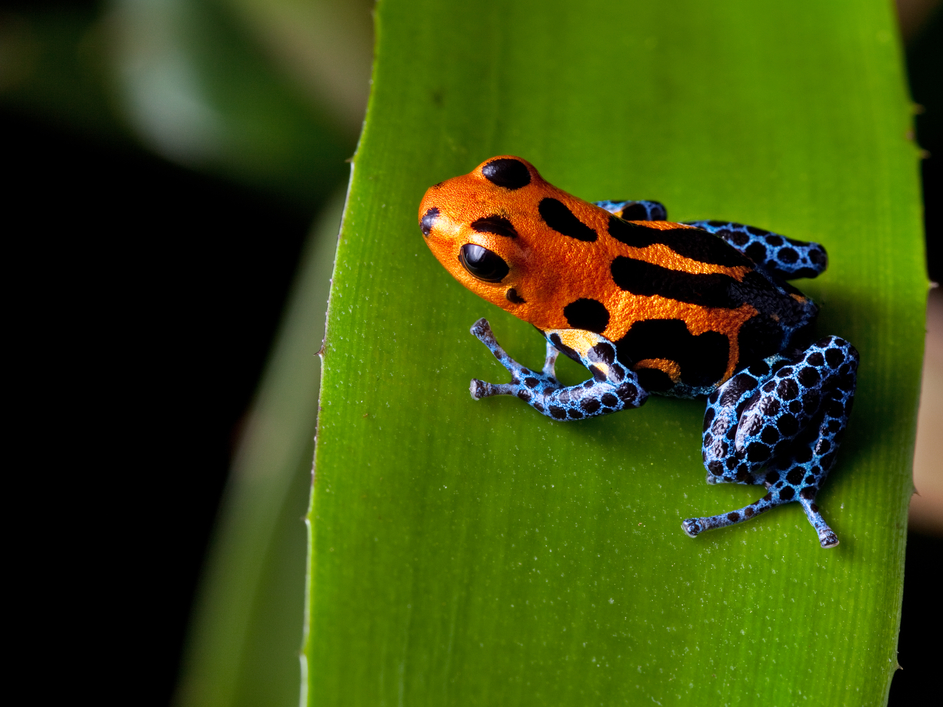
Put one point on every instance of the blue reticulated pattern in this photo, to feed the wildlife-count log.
(781, 256)
(778, 424)
(636, 210)
(613, 386)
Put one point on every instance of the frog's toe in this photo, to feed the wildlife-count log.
(692, 526)
(827, 538)
(481, 330)
(482, 389)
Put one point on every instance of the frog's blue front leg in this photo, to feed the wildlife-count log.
(636, 210)
(786, 414)
(613, 387)
(784, 257)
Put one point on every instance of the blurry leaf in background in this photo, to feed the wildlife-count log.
(196, 82)
(246, 632)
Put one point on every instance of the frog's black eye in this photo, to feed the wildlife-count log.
(482, 263)
(507, 173)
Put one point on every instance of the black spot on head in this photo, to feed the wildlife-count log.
(588, 314)
(512, 296)
(507, 173)
(428, 219)
(495, 224)
(556, 215)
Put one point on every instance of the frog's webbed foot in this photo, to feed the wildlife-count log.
(779, 424)
(613, 386)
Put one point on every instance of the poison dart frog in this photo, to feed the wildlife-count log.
(651, 306)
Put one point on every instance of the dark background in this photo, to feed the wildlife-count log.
(137, 348)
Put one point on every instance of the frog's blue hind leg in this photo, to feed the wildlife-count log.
(785, 257)
(779, 423)
(636, 210)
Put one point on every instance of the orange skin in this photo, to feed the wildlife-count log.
(548, 270)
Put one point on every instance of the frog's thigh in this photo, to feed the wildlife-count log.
(799, 474)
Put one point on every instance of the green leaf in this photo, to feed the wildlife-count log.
(470, 552)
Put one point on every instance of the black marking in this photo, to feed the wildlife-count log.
(702, 359)
(603, 352)
(588, 314)
(563, 348)
(428, 219)
(512, 296)
(654, 380)
(759, 337)
(646, 279)
(556, 215)
(634, 212)
(495, 224)
(694, 243)
(507, 173)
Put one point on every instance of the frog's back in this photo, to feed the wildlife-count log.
(703, 327)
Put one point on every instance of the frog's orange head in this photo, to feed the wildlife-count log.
(469, 224)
